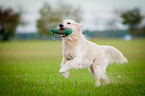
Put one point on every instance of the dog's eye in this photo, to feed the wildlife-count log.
(68, 23)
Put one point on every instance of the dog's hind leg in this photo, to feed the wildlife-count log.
(104, 77)
(99, 71)
(97, 74)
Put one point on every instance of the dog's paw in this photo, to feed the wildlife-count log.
(65, 75)
(97, 84)
(106, 82)
(62, 71)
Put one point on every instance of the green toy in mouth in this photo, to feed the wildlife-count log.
(64, 33)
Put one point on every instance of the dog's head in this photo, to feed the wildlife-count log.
(76, 27)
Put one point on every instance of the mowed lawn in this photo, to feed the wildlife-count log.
(31, 68)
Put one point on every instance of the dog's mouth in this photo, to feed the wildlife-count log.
(63, 35)
(62, 29)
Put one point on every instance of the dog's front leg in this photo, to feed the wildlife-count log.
(68, 65)
(64, 60)
(66, 74)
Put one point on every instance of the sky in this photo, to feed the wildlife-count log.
(95, 13)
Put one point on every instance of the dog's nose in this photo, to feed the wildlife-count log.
(60, 25)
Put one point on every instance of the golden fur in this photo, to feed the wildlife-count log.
(78, 52)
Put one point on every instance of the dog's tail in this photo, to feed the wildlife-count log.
(114, 55)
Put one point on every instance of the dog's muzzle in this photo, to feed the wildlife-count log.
(61, 26)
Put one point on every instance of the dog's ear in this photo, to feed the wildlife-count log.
(81, 23)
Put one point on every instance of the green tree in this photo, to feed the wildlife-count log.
(43, 22)
(142, 31)
(9, 21)
(51, 17)
(132, 18)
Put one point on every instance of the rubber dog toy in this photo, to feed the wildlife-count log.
(66, 31)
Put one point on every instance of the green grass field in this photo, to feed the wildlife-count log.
(31, 68)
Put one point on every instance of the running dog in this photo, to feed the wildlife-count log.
(78, 52)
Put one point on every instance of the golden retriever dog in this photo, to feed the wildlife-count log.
(78, 52)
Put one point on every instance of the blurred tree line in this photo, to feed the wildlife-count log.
(50, 17)
(9, 20)
(133, 19)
